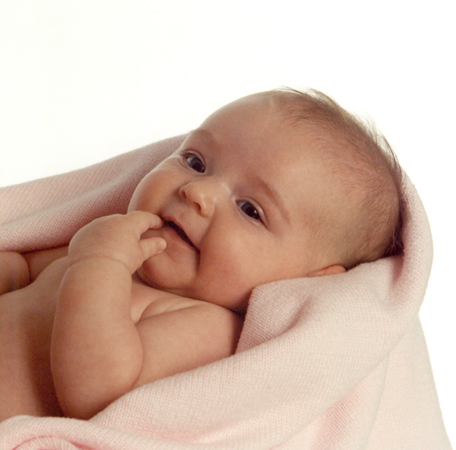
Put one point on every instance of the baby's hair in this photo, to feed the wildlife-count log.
(364, 165)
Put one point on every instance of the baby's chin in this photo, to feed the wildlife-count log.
(162, 285)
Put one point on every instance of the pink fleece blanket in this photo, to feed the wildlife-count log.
(337, 362)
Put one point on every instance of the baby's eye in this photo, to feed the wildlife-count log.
(249, 210)
(194, 162)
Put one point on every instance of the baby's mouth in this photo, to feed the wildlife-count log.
(180, 232)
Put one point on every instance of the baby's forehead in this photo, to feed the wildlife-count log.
(261, 127)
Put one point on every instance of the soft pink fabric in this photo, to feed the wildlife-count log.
(337, 362)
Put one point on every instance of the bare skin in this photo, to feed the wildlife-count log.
(26, 317)
(26, 326)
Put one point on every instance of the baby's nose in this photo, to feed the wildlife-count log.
(203, 194)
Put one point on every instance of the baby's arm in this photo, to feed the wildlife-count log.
(98, 353)
(38, 260)
(14, 272)
(18, 270)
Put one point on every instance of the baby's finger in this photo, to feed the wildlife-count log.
(145, 220)
(152, 246)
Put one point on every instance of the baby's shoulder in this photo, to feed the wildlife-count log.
(148, 302)
(165, 302)
(154, 302)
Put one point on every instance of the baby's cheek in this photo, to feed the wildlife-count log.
(228, 283)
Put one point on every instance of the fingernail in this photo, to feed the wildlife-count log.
(161, 245)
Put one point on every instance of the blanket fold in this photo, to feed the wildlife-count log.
(337, 362)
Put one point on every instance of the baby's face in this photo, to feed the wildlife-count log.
(236, 199)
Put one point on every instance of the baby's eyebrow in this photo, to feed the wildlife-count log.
(201, 132)
(273, 194)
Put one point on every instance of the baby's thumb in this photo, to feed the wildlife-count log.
(152, 246)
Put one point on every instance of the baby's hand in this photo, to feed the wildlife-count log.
(118, 237)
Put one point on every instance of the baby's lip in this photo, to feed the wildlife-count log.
(177, 227)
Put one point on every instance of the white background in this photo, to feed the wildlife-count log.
(81, 81)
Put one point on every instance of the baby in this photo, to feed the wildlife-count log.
(276, 185)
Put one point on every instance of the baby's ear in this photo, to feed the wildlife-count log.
(330, 270)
